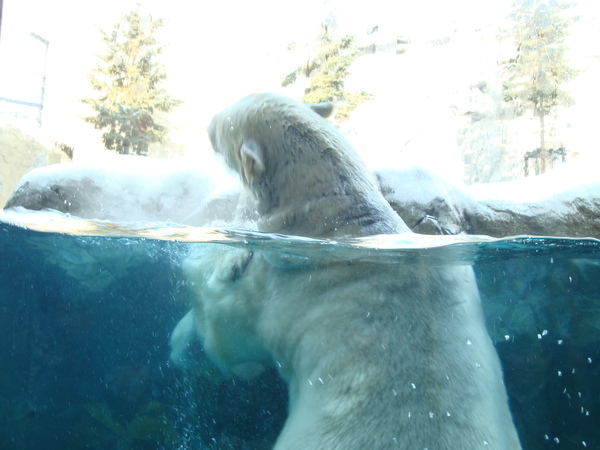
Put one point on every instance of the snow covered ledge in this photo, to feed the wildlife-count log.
(131, 189)
(204, 193)
(562, 203)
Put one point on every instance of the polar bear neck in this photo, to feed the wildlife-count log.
(319, 187)
(326, 216)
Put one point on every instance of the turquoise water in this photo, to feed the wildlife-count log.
(86, 311)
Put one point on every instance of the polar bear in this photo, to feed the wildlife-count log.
(377, 355)
(305, 176)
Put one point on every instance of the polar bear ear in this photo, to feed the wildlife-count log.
(324, 109)
(252, 160)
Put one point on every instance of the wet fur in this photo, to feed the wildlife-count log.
(377, 355)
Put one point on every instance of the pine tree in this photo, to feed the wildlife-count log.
(534, 77)
(327, 72)
(127, 81)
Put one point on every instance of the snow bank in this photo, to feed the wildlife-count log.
(131, 189)
(202, 192)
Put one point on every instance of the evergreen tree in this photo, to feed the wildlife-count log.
(535, 75)
(327, 72)
(127, 81)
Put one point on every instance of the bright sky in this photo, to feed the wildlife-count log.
(221, 51)
(218, 51)
(222, 42)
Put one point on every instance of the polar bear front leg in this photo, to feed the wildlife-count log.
(183, 336)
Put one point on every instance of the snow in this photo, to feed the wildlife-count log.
(201, 191)
(421, 185)
(579, 175)
(133, 188)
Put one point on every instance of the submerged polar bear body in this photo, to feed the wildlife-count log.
(376, 355)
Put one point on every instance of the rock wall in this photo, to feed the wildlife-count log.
(142, 189)
(19, 154)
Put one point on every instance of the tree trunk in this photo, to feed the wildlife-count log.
(543, 151)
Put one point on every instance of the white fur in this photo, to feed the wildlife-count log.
(377, 355)
(181, 338)
(306, 177)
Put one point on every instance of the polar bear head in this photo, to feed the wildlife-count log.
(251, 134)
(305, 176)
(227, 300)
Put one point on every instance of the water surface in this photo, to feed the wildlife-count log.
(87, 308)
